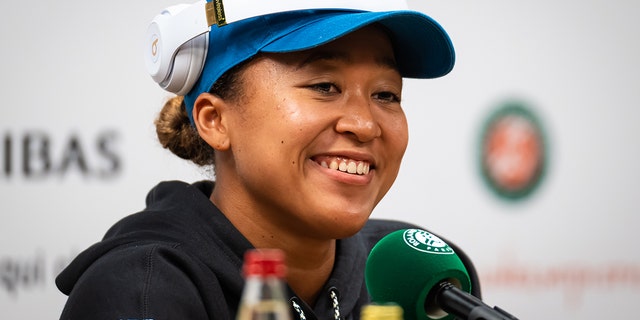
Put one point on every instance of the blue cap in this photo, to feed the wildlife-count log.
(422, 47)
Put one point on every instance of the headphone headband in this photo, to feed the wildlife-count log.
(176, 42)
(235, 10)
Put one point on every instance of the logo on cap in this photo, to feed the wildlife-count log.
(424, 241)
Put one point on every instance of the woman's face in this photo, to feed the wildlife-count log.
(317, 138)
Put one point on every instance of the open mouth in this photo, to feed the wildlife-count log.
(346, 165)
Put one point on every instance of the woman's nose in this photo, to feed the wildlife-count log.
(359, 119)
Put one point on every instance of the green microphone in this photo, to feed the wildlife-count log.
(418, 271)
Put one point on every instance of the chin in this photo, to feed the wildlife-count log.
(348, 233)
(346, 227)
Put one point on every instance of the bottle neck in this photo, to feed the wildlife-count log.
(259, 288)
(264, 298)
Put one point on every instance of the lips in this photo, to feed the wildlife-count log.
(344, 164)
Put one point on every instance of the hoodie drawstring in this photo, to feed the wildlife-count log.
(333, 294)
(298, 309)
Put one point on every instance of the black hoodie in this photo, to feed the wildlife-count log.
(180, 258)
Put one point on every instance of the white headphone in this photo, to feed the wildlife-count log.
(177, 39)
(176, 46)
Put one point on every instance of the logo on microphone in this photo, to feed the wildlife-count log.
(426, 242)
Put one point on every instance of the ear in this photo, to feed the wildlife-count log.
(210, 118)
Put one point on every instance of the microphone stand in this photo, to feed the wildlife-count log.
(465, 306)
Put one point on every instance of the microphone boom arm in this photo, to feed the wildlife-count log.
(465, 306)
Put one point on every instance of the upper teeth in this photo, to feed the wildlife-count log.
(346, 165)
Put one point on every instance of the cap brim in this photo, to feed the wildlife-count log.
(422, 47)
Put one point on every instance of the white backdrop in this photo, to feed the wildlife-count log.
(78, 149)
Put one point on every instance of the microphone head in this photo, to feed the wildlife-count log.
(404, 267)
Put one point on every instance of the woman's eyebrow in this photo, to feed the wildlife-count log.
(325, 55)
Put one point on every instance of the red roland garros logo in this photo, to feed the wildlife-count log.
(513, 151)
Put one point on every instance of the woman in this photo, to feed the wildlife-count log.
(305, 132)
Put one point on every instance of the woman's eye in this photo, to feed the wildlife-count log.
(387, 96)
(325, 87)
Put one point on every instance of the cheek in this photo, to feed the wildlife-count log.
(276, 128)
(296, 121)
(397, 133)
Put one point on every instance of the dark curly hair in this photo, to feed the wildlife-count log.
(176, 133)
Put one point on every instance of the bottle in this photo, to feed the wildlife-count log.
(387, 311)
(263, 295)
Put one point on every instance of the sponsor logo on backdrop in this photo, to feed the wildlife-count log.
(577, 281)
(36, 155)
(30, 272)
(513, 151)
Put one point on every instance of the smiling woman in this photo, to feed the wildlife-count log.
(300, 117)
(343, 110)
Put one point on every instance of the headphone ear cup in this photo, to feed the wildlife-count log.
(176, 46)
(187, 65)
